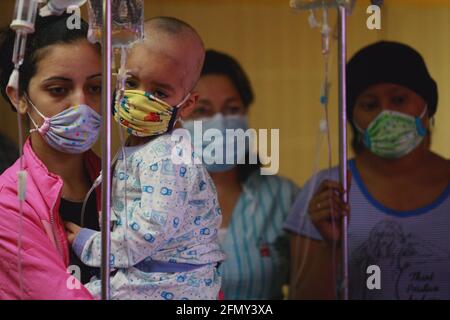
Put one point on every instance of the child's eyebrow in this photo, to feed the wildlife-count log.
(163, 85)
(131, 74)
(94, 76)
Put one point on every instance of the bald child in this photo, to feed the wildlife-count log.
(165, 216)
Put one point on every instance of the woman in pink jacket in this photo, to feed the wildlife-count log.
(60, 94)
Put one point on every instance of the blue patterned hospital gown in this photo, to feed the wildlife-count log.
(165, 219)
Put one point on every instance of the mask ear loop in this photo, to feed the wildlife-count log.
(421, 130)
(176, 109)
(363, 136)
(424, 111)
(183, 101)
(43, 129)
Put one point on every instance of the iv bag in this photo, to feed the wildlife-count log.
(127, 22)
(318, 4)
(23, 23)
(57, 7)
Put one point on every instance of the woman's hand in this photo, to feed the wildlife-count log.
(72, 231)
(326, 209)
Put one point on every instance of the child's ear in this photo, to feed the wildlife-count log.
(189, 106)
(18, 102)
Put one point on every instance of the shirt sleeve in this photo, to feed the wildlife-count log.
(153, 217)
(298, 220)
(294, 191)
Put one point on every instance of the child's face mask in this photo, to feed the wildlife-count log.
(393, 134)
(144, 115)
(74, 130)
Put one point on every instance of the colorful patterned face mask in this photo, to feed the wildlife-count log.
(74, 130)
(393, 134)
(144, 115)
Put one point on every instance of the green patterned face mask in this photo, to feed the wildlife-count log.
(393, 134)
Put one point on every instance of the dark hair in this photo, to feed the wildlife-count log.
(246, 170)
(48, 31)
(223, 64)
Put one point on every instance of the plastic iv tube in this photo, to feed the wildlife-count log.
(324, 125)
(297, 273)
(23, 24)
(21, 192)
(124, 156)
(97, 182)
(121, 75)
(326, 31)
(122, 147)
(344, 7)
(324, 98)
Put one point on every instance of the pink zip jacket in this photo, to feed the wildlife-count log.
(45, 250)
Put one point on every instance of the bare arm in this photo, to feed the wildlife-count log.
(312, 269)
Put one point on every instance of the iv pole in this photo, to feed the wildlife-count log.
(342, 7)
(342, 59)
(106, 146)
(107, 7)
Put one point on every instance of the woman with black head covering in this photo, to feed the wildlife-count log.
(399, 195)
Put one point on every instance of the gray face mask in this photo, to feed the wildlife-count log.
(221, 123)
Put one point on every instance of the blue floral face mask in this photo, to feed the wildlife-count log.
(74, 130)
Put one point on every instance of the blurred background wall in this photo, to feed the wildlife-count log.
(282, 56)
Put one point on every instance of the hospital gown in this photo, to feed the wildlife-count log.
(165, 220)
